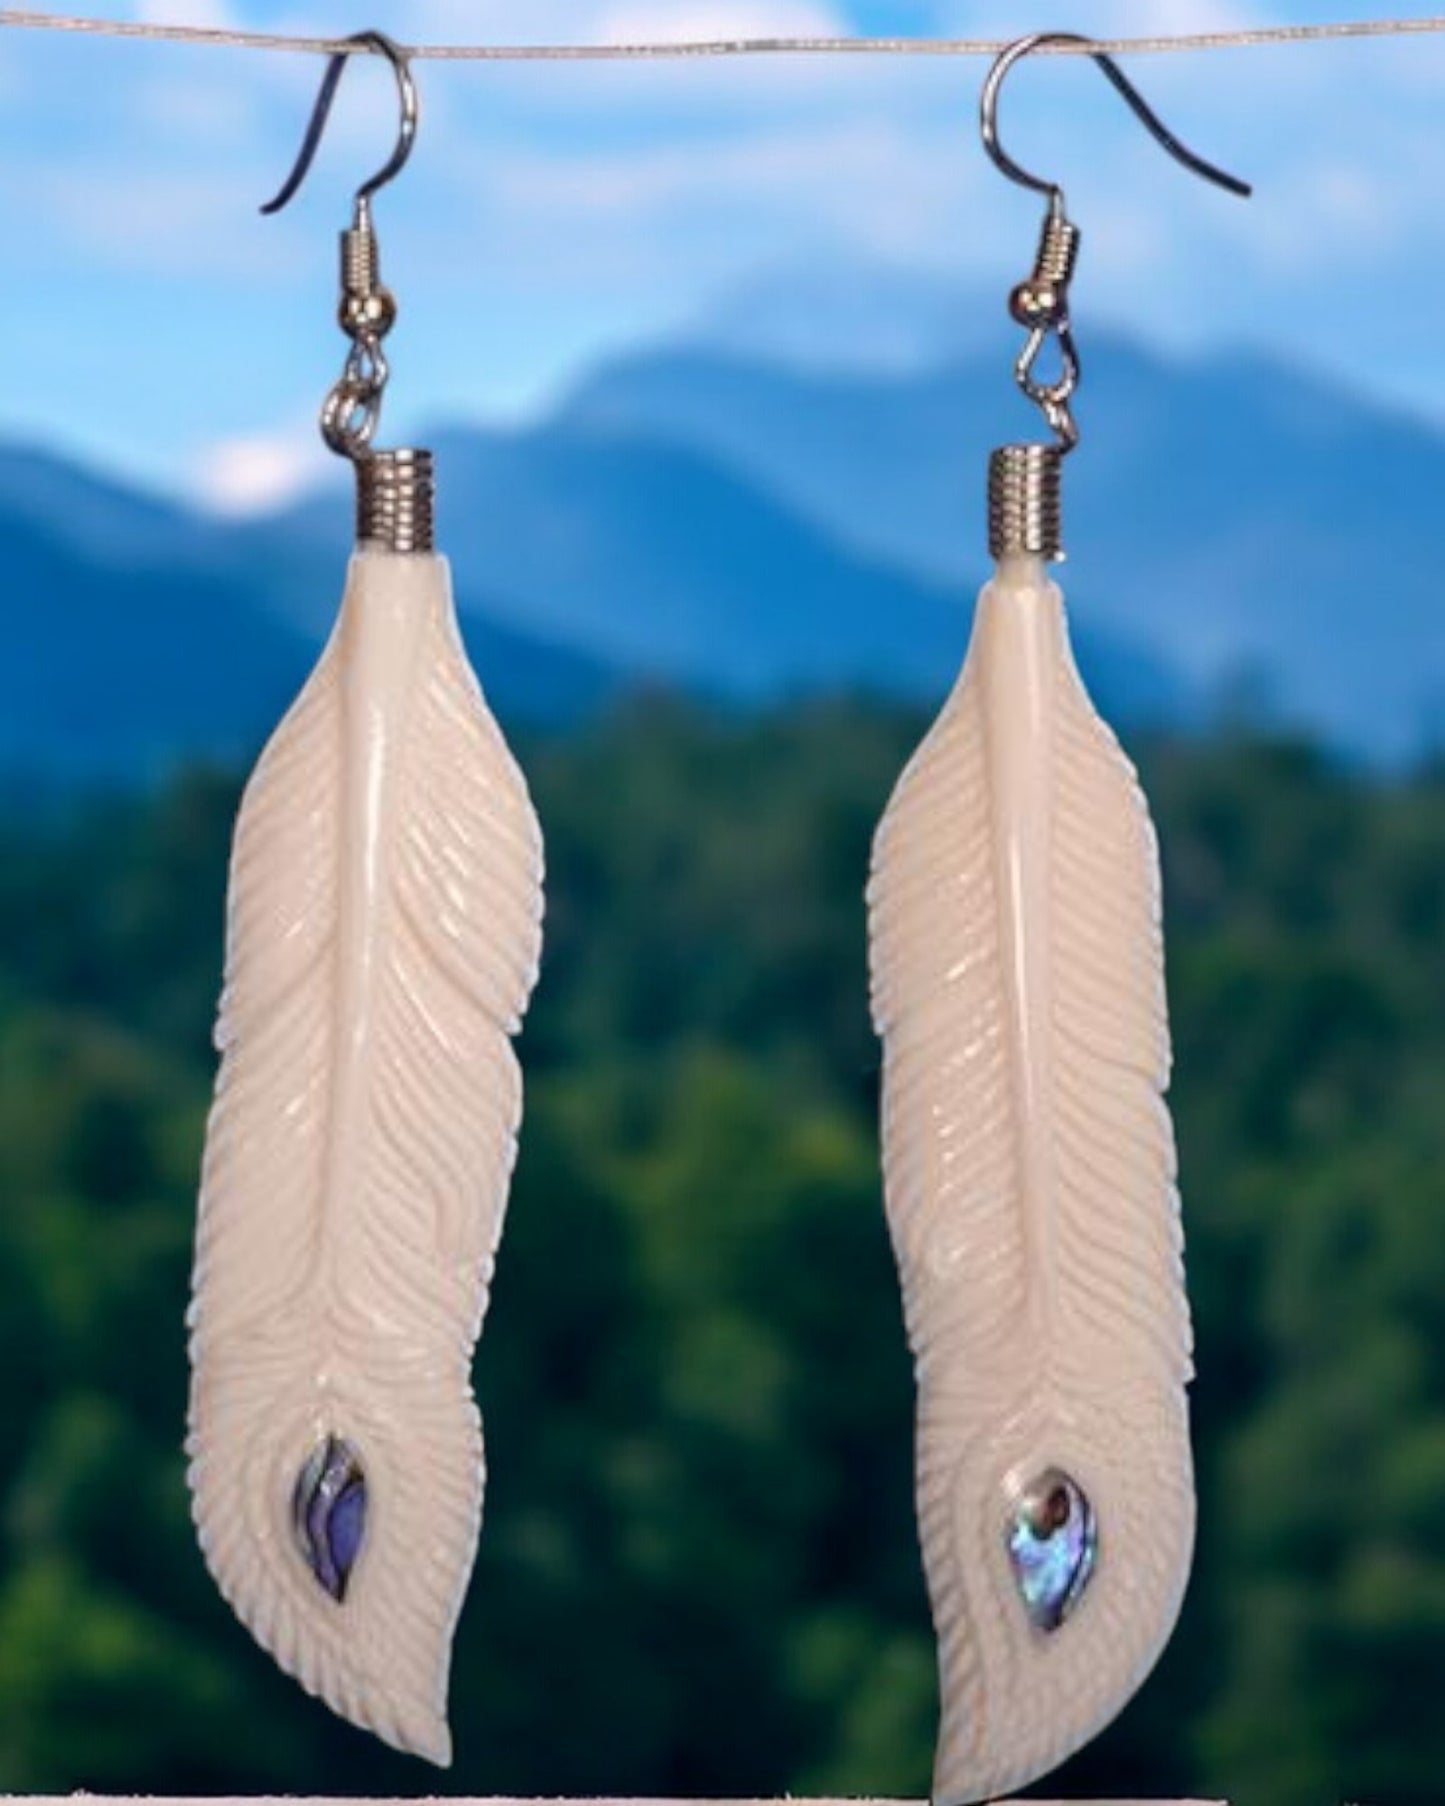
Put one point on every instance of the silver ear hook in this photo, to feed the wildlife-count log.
(394, 489)
(379, 42)
(1142, 111)
(1025, 481)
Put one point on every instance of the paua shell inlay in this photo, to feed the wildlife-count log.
(329, 1513)
(1052, 1547)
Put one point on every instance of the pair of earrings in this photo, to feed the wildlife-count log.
(383, 940)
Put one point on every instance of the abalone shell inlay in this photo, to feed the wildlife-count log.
(1052, 1548)
(329, 1513)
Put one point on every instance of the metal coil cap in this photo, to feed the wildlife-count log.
(1025, 508)
(395, 496)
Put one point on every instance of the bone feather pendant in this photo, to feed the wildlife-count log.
(383, 939)
(1017, 981)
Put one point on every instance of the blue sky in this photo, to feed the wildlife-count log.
(152, 320)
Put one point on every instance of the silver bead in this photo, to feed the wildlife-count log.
(1034, 303)
(369, 315)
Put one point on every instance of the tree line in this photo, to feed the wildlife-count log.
(698, 1571)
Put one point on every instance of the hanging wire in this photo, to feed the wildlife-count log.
(1333, 30)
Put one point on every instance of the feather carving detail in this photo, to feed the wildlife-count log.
(383, 936)
(1017, 982)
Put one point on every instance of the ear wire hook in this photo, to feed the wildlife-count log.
(380, 43)
(1040, 303)
(1025, 480)
(1136, 102)
(367, 313)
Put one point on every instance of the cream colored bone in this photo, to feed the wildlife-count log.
(1017, 981)
(383, 939)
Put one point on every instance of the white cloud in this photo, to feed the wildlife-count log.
(1101, 19)
(602, 21)
(203, 116)
(1328, 217)
(212, 15)
(706, 210)
(681, 21)
(458, 21)
(258, 472)
(1168, 18)
(154, 221)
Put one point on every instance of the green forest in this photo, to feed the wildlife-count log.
(698, 1572)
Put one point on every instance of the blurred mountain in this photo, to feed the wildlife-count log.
(112, 673)
(140, 632)
(1233, 512)
(749, 528)
(98, 517)
(672, 568)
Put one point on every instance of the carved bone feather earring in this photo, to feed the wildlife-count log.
(383, 935)
(1017, 982)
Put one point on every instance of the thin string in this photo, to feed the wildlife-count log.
(798, 46)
